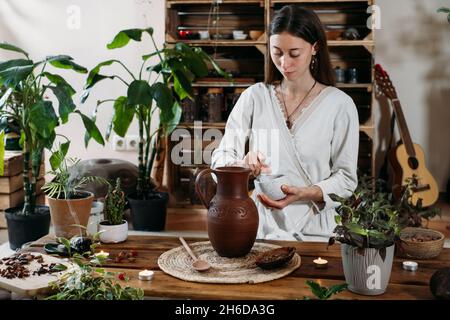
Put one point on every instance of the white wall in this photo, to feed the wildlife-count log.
(413, 45)
(47, 27)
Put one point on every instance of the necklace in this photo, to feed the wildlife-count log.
(288, 116)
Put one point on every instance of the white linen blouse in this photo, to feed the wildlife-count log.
(320, 149)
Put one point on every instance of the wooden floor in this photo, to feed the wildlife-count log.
(195, 220)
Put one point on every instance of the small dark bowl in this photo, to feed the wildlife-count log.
(275, 258)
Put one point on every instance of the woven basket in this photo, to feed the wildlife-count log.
(421, 250)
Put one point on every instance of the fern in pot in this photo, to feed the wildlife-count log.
(367, 230)
(70, 205)
(114, 228)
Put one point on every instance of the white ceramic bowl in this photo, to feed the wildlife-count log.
(240, 37)
(237, 33)
(204, 34)
(270, 185)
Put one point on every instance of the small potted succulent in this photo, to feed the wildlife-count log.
(114, 228)
(367, 230)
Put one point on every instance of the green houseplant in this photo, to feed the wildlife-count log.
(114, 228)
(70, 205)
(411, 215)
(367, 230)
(25, 85)
(157, 88)
(87, 281)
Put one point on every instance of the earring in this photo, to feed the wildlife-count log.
(313, 62)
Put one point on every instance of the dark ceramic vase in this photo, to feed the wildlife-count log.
(232, 216)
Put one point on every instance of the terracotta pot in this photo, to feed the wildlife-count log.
(232, 216)
(67, 212)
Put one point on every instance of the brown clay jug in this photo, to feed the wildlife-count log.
(232, 216)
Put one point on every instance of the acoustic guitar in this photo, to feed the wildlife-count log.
(407, 159)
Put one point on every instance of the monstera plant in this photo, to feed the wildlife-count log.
(156, 88)
(26, 84)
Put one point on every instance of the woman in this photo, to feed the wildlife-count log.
(302, 124)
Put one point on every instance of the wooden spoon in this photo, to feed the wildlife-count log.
(197, 264)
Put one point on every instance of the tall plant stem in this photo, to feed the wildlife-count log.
(141, 188)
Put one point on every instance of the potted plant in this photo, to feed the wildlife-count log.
(26, 84)
(411, 215)
(417, 241)
(367, 230)
(172, 76)
(114, 228)
(70, 205)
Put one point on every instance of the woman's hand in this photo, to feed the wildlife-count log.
(255, 162)
(293, 194)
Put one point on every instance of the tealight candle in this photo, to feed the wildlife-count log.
(410, 265)
(146, 275)
(320, 263)
(102, 254)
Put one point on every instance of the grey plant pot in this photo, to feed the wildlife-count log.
(366, 274)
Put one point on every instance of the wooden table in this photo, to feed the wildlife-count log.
(404, 285)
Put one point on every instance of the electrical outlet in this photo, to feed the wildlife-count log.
(119, 143)
(132, 142)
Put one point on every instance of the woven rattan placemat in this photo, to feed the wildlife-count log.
(178, 263)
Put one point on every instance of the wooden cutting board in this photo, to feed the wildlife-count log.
(34, 285)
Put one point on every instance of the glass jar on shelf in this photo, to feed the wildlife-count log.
(215, 102)
(190, 110)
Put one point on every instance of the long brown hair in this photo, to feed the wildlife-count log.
(305, 24)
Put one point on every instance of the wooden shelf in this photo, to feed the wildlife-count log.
(205, 125)
(369, 130)
(318, 1)
(169, 3)
(223, 43)
(346, 43)
(367, 86)
(240, 55)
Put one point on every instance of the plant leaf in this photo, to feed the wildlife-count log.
(444, 10)
(124, 36)
(164, 99)
(14, 71)
(5, 97)
(10, 47)
(65, 63)
(2, 153)
(139, 93)
(58, 80)
(94, 75)
(216, 67)
(57, 157)
(182, 85)
(66, 105)
(193, 60)
(171, 124)
(123, 116)
(91, 129)
(42, 118)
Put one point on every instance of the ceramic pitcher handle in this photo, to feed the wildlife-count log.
(197, 186)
